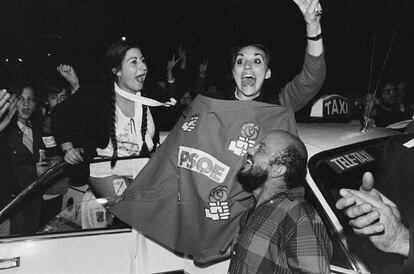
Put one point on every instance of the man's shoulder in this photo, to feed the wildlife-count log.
(297, 208)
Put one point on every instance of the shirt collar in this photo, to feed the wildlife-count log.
(24, 126)
(292, 194)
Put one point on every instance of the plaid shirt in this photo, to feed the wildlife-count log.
(283, 235)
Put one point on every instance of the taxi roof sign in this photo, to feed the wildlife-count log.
(332, 105)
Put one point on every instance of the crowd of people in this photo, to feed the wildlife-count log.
(391, 103)
(117, 120)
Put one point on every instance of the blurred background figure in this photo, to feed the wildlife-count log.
(405, 99)
(27, 155)
(54, 92)
(388, 110)
(56, 89)
(185, 101)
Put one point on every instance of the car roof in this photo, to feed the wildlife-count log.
(324, 136)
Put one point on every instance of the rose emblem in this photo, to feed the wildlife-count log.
(218, 194)
(249, 130)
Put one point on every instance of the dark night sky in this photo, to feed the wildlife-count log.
(77, 32)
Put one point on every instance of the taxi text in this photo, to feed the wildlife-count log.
(351, 160)
(335, 106)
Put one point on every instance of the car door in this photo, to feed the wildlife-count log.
(82, 238)
(343, 167)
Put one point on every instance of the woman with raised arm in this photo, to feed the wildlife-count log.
(110, 121)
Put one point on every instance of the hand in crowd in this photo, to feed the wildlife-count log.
(311, 10)
(74, 156)
(8, 107)
(170, 66)
(69, 74)
(182, 56)
(203, 67)
(374, 215)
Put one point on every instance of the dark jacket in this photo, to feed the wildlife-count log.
(23, 165)
(22, 161)
(84, 119)
(8, 184)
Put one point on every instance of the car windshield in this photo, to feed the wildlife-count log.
(343, 168)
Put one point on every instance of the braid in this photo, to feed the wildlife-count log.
(144, 127)
(113, 130)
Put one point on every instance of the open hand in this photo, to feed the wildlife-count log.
(8, 107)
(311, 10)
(374, 215)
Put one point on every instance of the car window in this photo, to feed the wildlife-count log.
(343, 168)
(75, 209)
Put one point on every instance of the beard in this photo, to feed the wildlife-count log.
(253, 178)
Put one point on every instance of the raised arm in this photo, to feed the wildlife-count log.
(69, 74)
(312, 11)
(298, 92)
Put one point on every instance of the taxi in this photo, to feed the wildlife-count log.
(83, 238)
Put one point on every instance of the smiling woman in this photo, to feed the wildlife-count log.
(106, 122)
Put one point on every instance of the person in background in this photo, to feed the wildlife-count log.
(388, 110)
(27, 155)
(185, 101)
(165, 118)
(8, 184)
(404, 99)
(109, 121)
(283, 233)
(55, 91)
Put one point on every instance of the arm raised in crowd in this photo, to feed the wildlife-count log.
(171, 89)
(69, 74)
(308, 82)
(311, 11)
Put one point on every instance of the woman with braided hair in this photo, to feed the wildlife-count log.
(112, 121)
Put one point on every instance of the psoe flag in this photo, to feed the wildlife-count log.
(187, 197)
